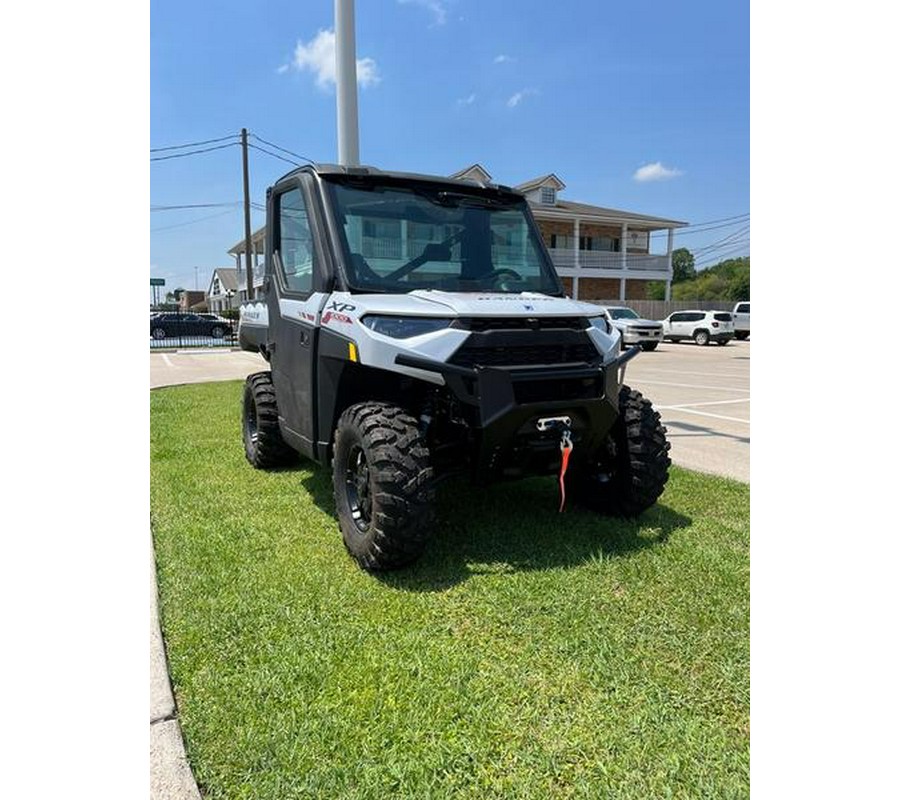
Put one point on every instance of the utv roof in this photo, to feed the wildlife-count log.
(374, 172)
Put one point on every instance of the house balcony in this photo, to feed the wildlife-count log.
(605, 264)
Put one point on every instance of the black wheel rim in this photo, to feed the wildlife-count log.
(359, 488)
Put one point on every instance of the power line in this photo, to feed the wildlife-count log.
(275, 155)
(194, 205)
(721, 242)
(718, 259)
(708, 227)
(193, 144)
(195, 152)
(193, 221)
(283, 149)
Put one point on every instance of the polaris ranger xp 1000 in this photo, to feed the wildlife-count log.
(415, 328)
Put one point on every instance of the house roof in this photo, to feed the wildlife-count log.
(569, 209)
(227, 278)
(258, 236)
(475, 172)
(545, 180)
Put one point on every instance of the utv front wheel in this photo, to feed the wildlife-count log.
(632, 467)
(263, 444)
(382, 485)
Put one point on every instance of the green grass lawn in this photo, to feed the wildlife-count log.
(529, 654)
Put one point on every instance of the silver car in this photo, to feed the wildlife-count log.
(635, 330)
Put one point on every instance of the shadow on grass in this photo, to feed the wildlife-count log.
(513, 527)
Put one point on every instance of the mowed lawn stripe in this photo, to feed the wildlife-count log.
(529, 654)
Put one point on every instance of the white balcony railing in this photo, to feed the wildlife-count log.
(599, 259)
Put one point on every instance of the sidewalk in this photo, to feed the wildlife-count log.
(170, 775)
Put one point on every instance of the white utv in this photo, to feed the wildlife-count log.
(416, 329)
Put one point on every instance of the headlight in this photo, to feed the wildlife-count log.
(601, 323)
(403, 327)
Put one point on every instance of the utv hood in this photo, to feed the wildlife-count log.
(496, 304)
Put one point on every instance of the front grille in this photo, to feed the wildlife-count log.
(556, 390)
(521, 323)
(524, 355)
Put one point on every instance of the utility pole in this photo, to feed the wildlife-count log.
(250, 292)
(345, 63)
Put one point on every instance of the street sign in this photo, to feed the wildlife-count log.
(157, 281)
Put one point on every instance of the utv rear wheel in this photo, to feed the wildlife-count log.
(263, 444)
(632, 468)
(383, 488)
(648, 346)
(701, 337)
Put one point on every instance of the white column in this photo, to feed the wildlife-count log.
(669, 263)
(345, 75)
(576, 259)
(624, 253)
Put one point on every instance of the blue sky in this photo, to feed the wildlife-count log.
(591, 91)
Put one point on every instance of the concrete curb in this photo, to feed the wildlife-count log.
(170, 774)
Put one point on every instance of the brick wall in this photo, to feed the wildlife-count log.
(593, 289)
(597, 288)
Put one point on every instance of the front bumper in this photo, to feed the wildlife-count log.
(639, 336)
(507, 402)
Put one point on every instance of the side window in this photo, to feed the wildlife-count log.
(294, 242)
(677, 318)
(743, 308)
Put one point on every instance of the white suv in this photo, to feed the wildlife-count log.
(701, 326)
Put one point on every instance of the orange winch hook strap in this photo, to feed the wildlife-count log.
(566, 446)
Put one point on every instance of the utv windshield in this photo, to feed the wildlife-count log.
(400, 237)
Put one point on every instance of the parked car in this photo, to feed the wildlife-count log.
(635, 330)
(701, 326)
(741, 316)
(177, 324)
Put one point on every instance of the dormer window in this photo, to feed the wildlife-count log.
(548, 196)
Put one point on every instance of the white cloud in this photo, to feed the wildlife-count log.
(466, 101)
(655, 172)
(318, 57)
(502, 59)
(283, 68)
(436, 7)
(518, 97)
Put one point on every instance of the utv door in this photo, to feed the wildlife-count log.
(293, 309)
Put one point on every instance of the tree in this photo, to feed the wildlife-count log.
(683, 265)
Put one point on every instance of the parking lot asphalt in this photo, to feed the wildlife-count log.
(702, 394)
